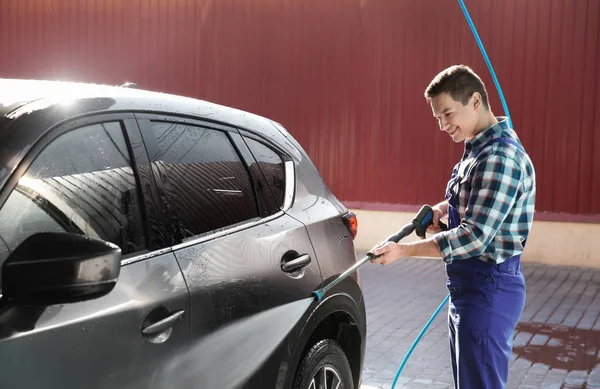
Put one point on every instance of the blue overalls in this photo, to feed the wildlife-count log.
(486, 303)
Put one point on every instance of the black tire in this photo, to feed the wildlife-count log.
(325, 357)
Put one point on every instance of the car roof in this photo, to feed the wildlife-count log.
(23, 97)
(15, 93)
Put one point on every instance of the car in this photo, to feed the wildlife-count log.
(135, 224)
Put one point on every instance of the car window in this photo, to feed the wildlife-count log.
(272, 167)
(82, 182)
(33, 220)
(206, 183)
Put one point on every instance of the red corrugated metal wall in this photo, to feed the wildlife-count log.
(346, 77)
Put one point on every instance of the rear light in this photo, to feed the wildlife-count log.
(351, 222)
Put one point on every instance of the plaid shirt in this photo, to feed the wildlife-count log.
(496, 199)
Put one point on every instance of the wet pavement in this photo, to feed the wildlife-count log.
(556, 344)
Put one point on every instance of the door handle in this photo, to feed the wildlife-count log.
(296, 263)
(163, 324)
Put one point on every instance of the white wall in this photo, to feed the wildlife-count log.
(575, 244)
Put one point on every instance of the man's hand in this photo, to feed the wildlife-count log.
(389, 251)
(434, 228)
(439, 211)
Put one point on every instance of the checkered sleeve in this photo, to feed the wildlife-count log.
(495, 185)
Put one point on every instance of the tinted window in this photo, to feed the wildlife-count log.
(206, 184)
(272, 167)
(82, 183)
(88, 149)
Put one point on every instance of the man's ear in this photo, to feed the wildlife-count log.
(476, 100)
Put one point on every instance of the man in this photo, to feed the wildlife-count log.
(490, 200)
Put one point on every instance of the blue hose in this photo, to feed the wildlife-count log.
(487, 60)
(410, 350)
(505, 106)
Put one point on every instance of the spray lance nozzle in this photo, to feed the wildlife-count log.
(419, 225)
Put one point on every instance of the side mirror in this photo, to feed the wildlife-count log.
(57, 268)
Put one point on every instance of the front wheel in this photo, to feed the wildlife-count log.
(325, 366)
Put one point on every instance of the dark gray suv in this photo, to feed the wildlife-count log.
(134, 224)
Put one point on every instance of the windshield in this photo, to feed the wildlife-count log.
(7, 158)
(4, 123)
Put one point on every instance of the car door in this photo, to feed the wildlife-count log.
(239, 252)
(92, 176)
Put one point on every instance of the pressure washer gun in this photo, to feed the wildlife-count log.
(419, 225)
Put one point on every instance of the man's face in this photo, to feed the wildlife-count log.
(458, 120)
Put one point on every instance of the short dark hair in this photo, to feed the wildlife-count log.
(460, 81)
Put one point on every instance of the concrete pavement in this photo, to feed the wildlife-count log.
(557, 342)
